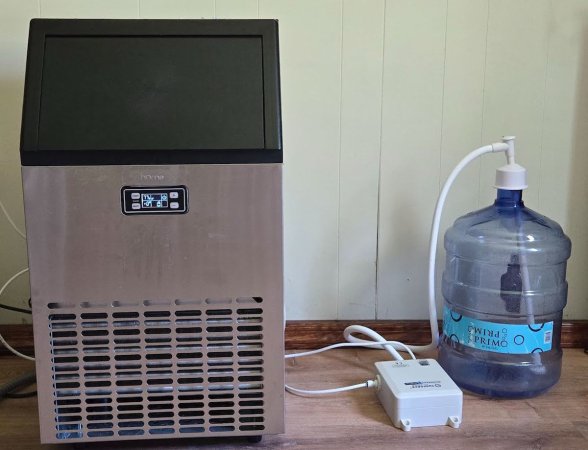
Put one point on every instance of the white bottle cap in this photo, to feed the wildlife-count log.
(511, 177)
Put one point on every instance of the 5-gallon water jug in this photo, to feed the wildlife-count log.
(505, 288)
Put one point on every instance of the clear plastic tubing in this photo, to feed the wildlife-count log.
(505, 288)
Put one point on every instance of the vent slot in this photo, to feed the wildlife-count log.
(157, 371)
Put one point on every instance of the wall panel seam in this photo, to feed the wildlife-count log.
(483, 97)
(339, 165)
(542, 128)
(439, 180)
(376, 292)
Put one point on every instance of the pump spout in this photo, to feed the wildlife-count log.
(512, 176)
(510, 153)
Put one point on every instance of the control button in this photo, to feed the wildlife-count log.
(174, 205)
(135, 196)
(173, 195)
(136, 206)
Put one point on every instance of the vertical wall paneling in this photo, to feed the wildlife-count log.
(463, 91)
(414, 54)
(361, 75)
(563, 187)
(310, 60)
(14, 28)
(12, 247)
(14, 32)
(380, 99)
(237, 9)
(562, 90)
(177, 9)
(90, 9)
(518, 34)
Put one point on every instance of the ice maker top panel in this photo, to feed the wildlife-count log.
(151, 92)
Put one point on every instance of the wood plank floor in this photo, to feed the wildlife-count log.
(355, 420)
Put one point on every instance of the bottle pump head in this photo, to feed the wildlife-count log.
(512, 176)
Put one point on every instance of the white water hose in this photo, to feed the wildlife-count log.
(511, 176)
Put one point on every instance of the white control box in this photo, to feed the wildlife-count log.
(418, 393)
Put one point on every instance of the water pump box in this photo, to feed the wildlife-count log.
(418, 393)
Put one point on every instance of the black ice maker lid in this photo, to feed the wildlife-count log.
(151, 92)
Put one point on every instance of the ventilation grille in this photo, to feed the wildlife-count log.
(173, 370)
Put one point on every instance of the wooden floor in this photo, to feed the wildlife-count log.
(355, 420)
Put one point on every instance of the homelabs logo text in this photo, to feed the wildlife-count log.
(423, 384)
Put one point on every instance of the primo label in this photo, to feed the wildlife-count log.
(513, 338)
(488, 337)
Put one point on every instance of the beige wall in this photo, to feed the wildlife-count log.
(371, 89)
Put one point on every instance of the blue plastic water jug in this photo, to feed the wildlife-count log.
(505, 288)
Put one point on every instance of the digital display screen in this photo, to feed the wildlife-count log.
(154, 200)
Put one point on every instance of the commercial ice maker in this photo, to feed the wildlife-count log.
(151, 159)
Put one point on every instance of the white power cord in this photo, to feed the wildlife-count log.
(10, 280)
(16, 352)
(379, 341)
(390, 346)
(3, 208)
(305, 393)
(378, 344)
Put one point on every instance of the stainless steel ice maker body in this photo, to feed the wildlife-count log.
(156, 274)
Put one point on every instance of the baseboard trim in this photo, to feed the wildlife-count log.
(309, 334)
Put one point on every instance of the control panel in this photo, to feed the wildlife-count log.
(154, 200)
